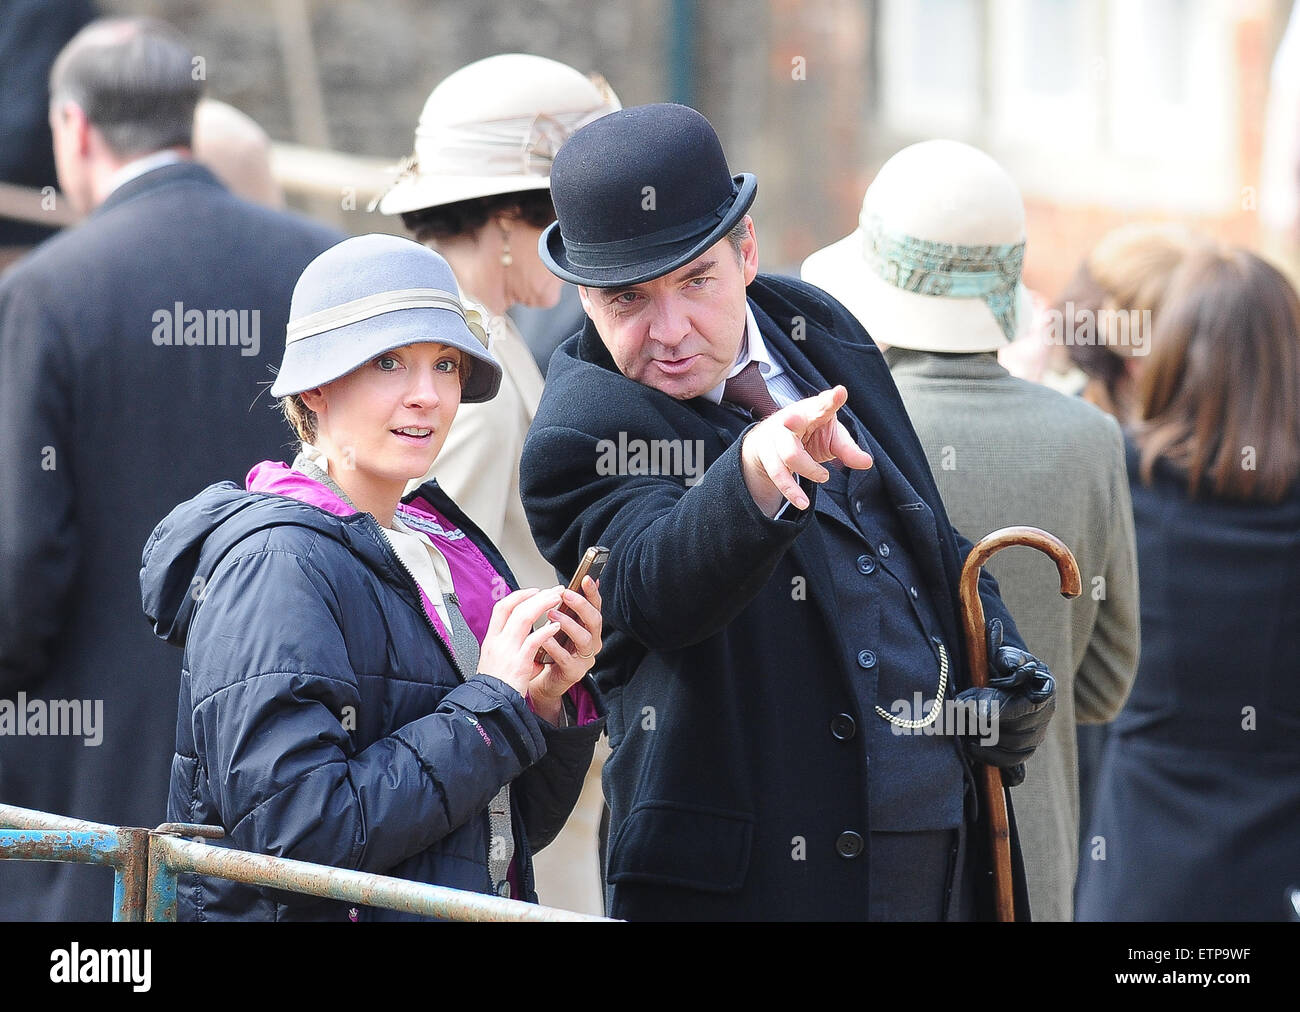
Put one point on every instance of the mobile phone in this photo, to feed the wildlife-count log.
(592, 564)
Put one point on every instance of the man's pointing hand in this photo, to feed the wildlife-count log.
(797, 440)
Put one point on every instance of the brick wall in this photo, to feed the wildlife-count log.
(788, 84)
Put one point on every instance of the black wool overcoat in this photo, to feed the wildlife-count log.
(1197, 816)
(722, 667)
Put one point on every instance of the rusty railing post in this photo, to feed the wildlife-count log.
(29, 835)
(160, 891)
(146, 864)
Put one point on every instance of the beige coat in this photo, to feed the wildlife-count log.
(1006, 452)
(478, 464)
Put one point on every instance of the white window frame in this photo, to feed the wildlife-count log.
(1104, 141)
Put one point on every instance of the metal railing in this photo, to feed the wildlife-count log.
(147, 861)
(27, 835)
(170, 855)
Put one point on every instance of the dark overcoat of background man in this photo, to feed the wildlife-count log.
(133, 370)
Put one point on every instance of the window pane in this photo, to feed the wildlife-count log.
(1051, 54)
(944, 40)
(932, 60)
(1166, 24)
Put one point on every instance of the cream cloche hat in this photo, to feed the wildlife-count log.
(935, 262)
(494, 127)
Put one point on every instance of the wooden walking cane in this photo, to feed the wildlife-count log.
(972, 610)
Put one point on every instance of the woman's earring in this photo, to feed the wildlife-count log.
(506, 258)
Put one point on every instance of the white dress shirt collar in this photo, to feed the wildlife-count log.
(139, 166)
(752, 349)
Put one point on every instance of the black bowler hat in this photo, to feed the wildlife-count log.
(638, 194)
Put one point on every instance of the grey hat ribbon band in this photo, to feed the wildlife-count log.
(515, 144)
(372, 305)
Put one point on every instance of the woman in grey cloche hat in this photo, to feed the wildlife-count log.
(359, 686)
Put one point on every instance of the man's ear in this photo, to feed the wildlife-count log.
(75, 124)
(749, 252)
(585, 299)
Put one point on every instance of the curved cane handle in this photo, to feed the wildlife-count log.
(973, 608)
(977, 653)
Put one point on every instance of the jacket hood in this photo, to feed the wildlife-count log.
(187, 546)
(185, 549)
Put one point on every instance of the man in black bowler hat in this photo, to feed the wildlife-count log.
(783, 649)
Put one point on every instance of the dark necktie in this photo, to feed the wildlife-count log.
(748, 390)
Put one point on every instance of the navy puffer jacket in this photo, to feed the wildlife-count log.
(322, 716)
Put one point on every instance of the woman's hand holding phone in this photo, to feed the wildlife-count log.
(570, 659)
(510, 647)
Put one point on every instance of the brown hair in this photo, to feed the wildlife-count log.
(1129, 269)
(1220, 397)
(428, 225)
(135, 79)
(301, 418)
(737, 235)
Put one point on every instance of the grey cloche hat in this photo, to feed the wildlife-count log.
(371, 294)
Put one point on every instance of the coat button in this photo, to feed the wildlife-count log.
(866, 564)
(884, 550)
(843, 727)
(912, 591)
(848, 844)
(867, 658)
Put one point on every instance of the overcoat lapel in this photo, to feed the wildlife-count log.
(858, 368)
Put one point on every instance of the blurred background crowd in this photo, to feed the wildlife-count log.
(1103, 111)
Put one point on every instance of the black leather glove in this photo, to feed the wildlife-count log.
(1013, 709)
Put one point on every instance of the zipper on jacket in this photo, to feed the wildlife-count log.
(527, 880)
(388, 549)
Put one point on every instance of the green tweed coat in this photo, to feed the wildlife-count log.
(1004, 452)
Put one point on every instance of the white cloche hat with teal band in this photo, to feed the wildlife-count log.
(935, 262)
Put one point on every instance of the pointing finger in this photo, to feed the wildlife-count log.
(814, 411)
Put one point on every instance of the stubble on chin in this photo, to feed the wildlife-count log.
(682, 388)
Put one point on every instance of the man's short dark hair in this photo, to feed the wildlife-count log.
(737, 235)
(135, 80)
